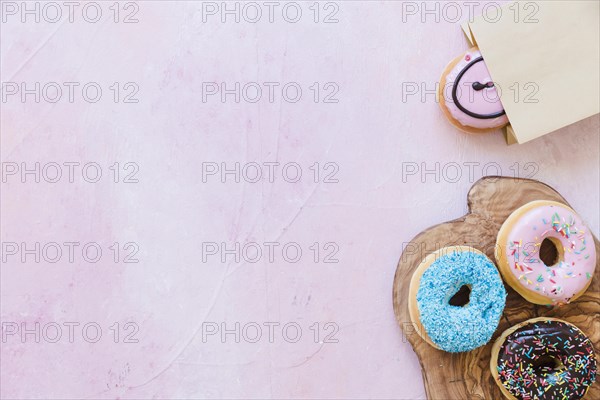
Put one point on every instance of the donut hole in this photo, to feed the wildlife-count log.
(546, 364)
(462, 297)
(550, 252)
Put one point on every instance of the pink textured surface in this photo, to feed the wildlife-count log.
(374, 135)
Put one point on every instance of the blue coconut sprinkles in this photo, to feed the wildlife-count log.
(454, 328)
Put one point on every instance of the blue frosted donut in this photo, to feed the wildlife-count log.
(460, 328)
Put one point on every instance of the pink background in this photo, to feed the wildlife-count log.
(372, 134)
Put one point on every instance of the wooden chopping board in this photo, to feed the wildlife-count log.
(467, 375)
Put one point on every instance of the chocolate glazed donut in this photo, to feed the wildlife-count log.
(544, 358)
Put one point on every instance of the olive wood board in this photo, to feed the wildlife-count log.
(467, 375)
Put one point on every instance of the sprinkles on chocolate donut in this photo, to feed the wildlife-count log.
(544, 358)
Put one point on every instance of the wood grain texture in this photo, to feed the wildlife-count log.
(467, 375)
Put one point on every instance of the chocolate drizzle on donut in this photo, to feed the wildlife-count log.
(476, 86)
(547, 360)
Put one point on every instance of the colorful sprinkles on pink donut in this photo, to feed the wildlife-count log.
(576, 259)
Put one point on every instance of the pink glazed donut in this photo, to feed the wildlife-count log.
(546, 253)
(468, 96)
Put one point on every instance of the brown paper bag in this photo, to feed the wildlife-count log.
(544, 59)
